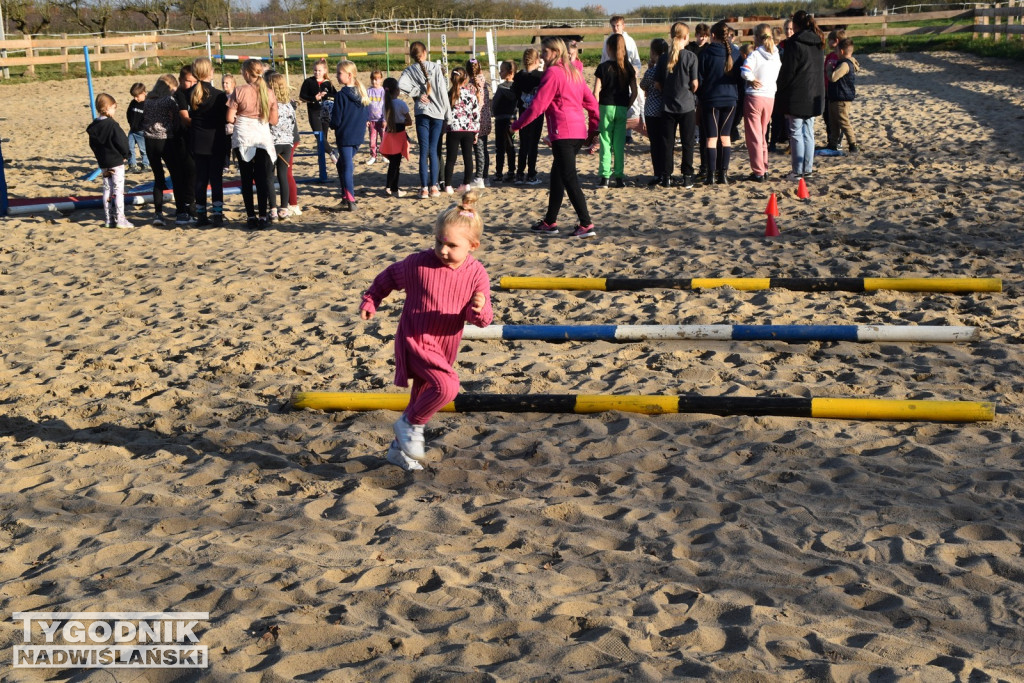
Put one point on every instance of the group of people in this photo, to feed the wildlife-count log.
(195, 130)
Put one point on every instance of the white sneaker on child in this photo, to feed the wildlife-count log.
(479, 183)
(294, 210)
(371, 161)
(395, 456)
(410, 438)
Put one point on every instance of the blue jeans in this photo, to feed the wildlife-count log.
(428, 133)
(140, 140)
(345, 171)
(801, 144)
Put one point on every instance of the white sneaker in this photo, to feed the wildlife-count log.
(451, 190)
(334, 157)
(371, 161)
(395, 456)
(294, 210)
(123, 224)
(479, 183)
(424, 193)
(410, 438)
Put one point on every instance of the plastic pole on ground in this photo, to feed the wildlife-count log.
(92, 175)
(3, 185)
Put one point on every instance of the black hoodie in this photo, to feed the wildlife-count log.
(801, 83)
(108, 142)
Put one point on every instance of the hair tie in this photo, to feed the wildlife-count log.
(466, 211)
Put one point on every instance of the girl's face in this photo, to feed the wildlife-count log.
(320, 71)
(454, 245)
(344, 77)
(549, 55)
(188, 81)
(376, 81)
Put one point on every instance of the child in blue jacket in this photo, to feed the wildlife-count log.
(348, 119)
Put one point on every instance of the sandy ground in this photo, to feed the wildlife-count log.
(150, 462)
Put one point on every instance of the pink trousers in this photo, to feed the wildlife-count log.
(432, 388)
(757, 114)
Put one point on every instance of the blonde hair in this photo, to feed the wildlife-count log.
(462, 215)
(763, 37)
(279, 84)
(104, 102)
(531, 56)
(352, 70)
(616, 45)
(202, 69)
(558, 45)
(255, 68)
(680, 31)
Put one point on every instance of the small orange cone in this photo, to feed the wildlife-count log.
(773, 206)
(801, 190)
(771, 230)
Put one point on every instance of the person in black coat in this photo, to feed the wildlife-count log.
(110, 145)
(801, 90)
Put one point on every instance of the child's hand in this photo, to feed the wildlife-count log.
(476, 304)
(365, 314)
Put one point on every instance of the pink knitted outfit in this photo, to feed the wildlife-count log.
(430, 329)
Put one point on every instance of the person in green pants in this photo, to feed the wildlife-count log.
(615, 90)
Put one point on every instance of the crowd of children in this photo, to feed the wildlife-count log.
(692, 94)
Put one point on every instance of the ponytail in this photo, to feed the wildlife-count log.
(720, 31)
(202, 69)
(390, 86)
(763, 37)
(680, 32)
(417, 50)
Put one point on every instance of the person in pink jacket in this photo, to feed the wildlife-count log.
(445, 287)
(572, 119)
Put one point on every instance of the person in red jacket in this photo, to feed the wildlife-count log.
(572, 118)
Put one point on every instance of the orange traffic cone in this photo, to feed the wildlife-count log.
(801, 190)
(771, 230)
(773, 206)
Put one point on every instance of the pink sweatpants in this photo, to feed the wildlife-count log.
(757, 114)
(376, 130)
(432, 389)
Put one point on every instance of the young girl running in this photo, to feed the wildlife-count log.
(717, 93)
(110, 145)
(760, 71)
(349, 123)
(425, 82)
(253, 110)
(481, 155)
(525, 84)
(286, 134)
(445, 288)
(395, 144)
(463, 129)
(207, 141)
(615, 90)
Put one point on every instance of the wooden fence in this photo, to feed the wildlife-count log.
(997, 22)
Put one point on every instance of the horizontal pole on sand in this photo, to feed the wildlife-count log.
(836, 408)
(784, 333)
(797, 284)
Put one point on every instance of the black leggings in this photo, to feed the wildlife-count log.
(529, 141)
(565, 181)
(454, 140)
(394, 171)
(157, 152)
(685, 123)
(504, 146)
(282, 164)
(209, 171)
(260, 170)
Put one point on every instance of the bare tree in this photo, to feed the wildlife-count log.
(157, 12)
(209, 12)
(28, 17)
(94, 16)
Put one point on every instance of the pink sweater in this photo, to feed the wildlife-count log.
(436, 309)
(570, 106)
